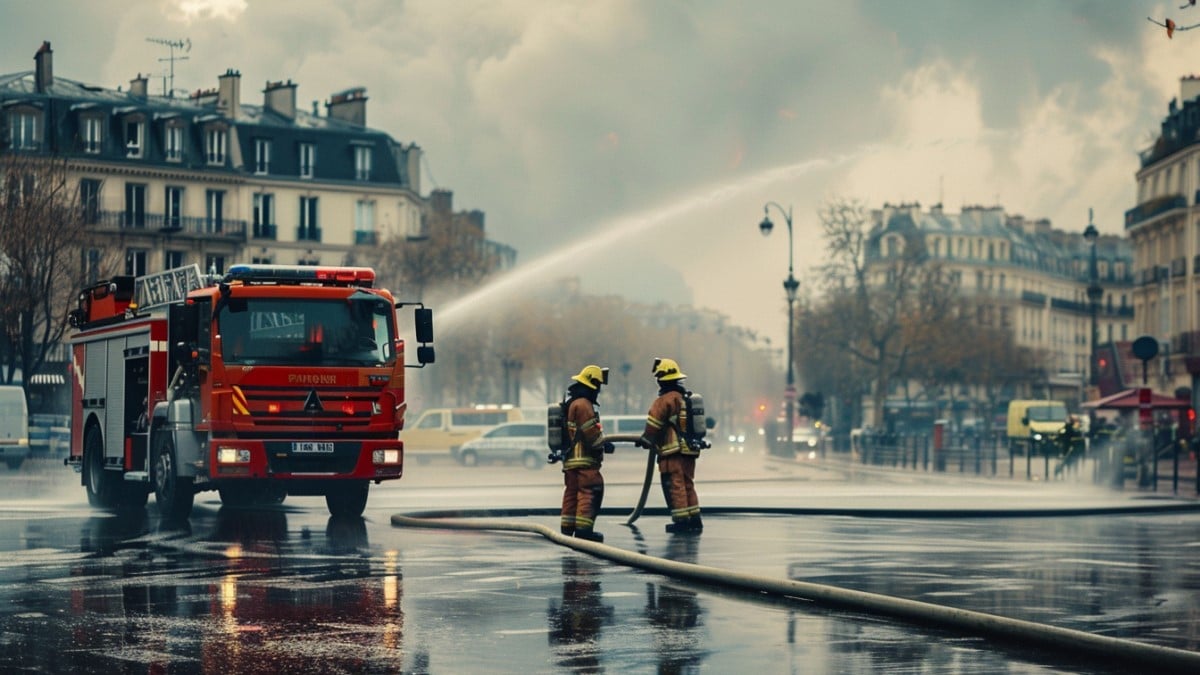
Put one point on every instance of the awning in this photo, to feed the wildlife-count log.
(1128, 400)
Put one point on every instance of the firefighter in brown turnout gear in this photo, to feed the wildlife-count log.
(583, 490)
(676, 457)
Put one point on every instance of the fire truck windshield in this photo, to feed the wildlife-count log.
(273, 331)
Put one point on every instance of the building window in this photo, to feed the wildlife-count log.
(23, 130)
(214, 212)
(364, 222)
(308, 160)
(91, 265)
(135, 262)
(309, 229)
(261, 260)
(172, 259)
(133, 138)
(214, 146)
(262, 156)
(215, 264)
(362, 163)
(89, 200)
(173, 144)
(173, 217)
(20, 188)
(93, 135)
(264, 216)
(135, 205)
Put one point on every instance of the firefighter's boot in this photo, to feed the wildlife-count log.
(567, 531)
(679, 526)
(588, 534)
(695, 524)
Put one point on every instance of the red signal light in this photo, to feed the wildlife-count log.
(1191, 414)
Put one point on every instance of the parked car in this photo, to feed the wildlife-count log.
(14, 426)
(512, 442)
(623, 424)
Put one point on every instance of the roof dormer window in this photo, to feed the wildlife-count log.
(173, 143)
(262, 156)
(135, 134)
(214, 146)
(92, 134)
(23, 131)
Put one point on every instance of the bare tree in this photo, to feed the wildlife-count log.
(889, 302)
(453, 257)
(42, 239)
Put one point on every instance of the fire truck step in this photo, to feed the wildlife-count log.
(137, 476)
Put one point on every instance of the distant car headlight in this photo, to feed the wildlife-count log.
(812, 442)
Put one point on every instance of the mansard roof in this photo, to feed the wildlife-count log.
(65, 100)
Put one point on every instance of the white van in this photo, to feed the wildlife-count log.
(439, 430)
(14, 426)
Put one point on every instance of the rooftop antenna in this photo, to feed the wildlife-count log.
(184, 44)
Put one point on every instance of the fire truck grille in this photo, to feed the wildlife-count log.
(306, 407)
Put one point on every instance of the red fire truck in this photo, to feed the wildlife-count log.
(274, 380)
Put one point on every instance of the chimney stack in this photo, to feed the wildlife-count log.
(442, 201)
(137, 86)
(1189, 88)
(229, 92)
(44, 68)
(280, 98)
(349, 106)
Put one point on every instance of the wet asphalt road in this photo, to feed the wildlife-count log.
(289, 589)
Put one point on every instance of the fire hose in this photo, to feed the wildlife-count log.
(651, 457)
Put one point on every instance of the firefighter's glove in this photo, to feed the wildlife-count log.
(644, 442)
(609, 448)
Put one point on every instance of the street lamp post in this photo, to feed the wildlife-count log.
(790, 285)
(1094, 294)
(625, 368)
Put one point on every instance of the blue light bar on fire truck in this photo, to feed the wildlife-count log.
(300, 274)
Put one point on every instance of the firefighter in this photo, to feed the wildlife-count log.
(676, 457)
(583, 486)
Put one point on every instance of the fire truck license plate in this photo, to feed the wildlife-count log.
(312, 447)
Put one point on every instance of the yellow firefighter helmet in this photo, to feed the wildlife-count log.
(592, 377)
(666, 370)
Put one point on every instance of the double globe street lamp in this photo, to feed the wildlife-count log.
(790, 286)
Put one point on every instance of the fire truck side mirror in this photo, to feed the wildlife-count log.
(423, 322)
(425, 354)
(188, 355)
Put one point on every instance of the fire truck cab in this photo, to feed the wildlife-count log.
(270, 381)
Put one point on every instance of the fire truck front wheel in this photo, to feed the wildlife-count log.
(349, 499)
(173, 492)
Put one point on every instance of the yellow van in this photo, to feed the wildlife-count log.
(439, 430)
(1034, 420)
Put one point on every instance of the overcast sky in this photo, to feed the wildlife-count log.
(667, 124)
